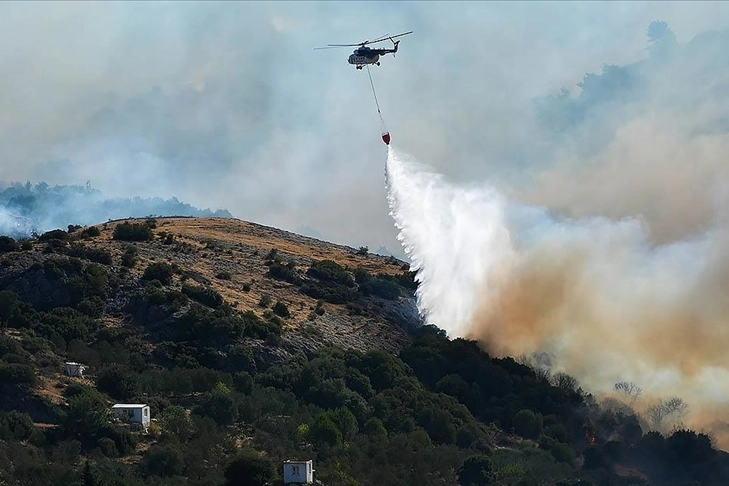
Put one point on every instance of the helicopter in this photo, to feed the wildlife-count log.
(364, 55)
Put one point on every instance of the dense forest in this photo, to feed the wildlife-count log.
(231, 400)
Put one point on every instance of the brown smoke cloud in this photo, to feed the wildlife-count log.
(642, 299)
(657, 168)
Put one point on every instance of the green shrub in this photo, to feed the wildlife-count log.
(330, 271)
(133, 232)
(386, 289)
(17, 374)
(249, 468)
(7, 244)
(204, 295)
(285, 273)
(56, 234)
(159, 271)
(97, 255)
(129, 257)
(15, 425)
(91, 232)
(280, 309)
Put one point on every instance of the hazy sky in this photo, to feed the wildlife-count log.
(228, 105)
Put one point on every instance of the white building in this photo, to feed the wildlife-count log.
(298, 472)
(74, 369)
(135, 413)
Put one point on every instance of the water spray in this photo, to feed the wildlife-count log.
(593, 293)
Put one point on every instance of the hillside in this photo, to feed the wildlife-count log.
(252, 345)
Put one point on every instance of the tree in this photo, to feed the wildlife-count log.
(375, 429)
(87, 414)
(176, 423)
(668, 409)
(219, 406)
(345, 422)
(249, 469)
(88, 475)
(325, 431)
(528, 424)
(15, 425)
(476, 471)
(163, 460)
(689, 447)
(565, 382)
(118, 381)
(632, 391)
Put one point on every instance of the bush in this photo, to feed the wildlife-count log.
(163, 460)
(249, 468)
(133, 232)
(93, 254)
(285, 273)
(159, 271)
(129, 257)
(265, 301)
(119, 382)
(280, 309)
(91, 232)
(7, 244)
(17, 374)
(330, 271)
(56, 234)
(15, 426)
(204, 295)
(386, 289)
(476, 471)
(338, 294)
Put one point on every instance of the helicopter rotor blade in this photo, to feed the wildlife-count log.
(390, 37)
(364, 43)
(348, 45)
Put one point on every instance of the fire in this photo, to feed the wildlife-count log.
(590, 435)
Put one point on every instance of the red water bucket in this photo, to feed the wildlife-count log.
(386, 138)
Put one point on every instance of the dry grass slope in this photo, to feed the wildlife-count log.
(208, 248)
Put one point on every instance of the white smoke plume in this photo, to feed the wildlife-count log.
(606, 302)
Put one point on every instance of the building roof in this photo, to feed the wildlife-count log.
(297, 462)
(129, 405)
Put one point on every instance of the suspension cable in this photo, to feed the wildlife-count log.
(377, 103)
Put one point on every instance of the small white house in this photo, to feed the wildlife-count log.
(298, 472)
(74, 369)
(135, 413)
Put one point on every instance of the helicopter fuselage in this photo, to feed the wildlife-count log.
(365, 55)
